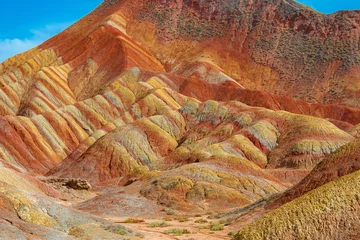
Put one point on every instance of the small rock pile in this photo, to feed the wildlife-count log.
(76, 184)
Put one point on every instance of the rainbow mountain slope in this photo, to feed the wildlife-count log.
(188, 107)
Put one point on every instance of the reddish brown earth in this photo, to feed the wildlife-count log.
(168, 110)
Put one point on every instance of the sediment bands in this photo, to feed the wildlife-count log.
(248, 109)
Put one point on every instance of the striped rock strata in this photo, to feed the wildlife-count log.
(188, 119)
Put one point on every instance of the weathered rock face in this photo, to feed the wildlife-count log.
(195, 106)
(330, 212)
(342, 162)
(312, 200)
(277, 46)
(28, 214)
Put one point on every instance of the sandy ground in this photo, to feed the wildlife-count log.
(153, 233)
(172, 221)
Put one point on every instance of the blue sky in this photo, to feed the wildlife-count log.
(25, 24)
(331, 6)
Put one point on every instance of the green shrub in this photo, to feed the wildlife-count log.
(217, 227)
(182, 218)
(158, 224)
(201, 221)
(133, 220)
(121, 230)
(177, 232)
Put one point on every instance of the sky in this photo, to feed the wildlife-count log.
(331, 6)
(25, 24)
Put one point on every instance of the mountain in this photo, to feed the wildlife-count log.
(324, 204)
(184, 108)
(277, 46)
(328, 212)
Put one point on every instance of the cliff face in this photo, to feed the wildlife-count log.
(194, 106)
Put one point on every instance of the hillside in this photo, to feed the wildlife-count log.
(183, 109)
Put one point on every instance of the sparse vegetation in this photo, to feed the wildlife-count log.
(120, 230)
(168, 218)
(190, 24)
(204, 227)
(217, 227)
(182, 218)
(170, 211)
(133, 220)
(201, 221)
(177, 231)
(158, 224)
(213, 226)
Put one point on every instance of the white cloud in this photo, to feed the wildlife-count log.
(11, 47)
